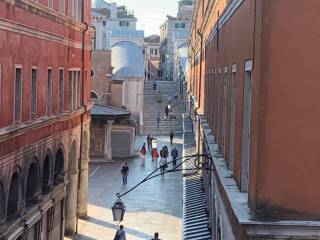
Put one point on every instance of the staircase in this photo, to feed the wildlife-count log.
(152, 108)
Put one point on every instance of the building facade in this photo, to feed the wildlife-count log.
(128, 67)
(151, 53)
(174, 32)
(253, 84)
(45, 117)
(113, 24)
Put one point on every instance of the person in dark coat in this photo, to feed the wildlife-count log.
(171, 135)
(124, 173)
(174, 155)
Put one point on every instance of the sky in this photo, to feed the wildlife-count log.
(150, 13)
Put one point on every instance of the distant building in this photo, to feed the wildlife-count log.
(112, 129)
(151, 53)
(113, 24)
(128, 67)
(182, 69)
(112, 133)
(174, 32)
(44, 117)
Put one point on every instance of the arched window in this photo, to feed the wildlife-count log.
(46, 176)
(94, 96)
(32, 184)
(59, 168)
(13, 198)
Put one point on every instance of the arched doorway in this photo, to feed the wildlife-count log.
(32, 189)
(71, 199)
(46, 175)
(14, 196)
(58, 176)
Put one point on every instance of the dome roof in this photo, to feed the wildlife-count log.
(127, 60)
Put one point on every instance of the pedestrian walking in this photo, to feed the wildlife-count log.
(159, 97)
(124, 173)
(154, 85)
(158, 120)
(156, 236)
(120, 234)
(166, 111)
(163, 165)
(143, 153)
(171, 135)
(149, 142)
(174, 155)
(155, 156)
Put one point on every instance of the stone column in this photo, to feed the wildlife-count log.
(84, 185)
(71, 204)
(108, 146)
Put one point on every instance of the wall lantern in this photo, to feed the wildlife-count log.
(118, 210)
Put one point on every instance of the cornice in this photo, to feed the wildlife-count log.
(43, 11)
(12, 26)
(17, 130)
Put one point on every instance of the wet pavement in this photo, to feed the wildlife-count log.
(155, 206)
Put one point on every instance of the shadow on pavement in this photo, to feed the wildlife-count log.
(115, 227)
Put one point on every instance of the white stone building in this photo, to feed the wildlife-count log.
(127, 63)
(174, 32)
(113, 24)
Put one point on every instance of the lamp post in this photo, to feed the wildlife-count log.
(203, 162)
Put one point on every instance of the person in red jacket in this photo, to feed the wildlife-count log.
(143, 153)
(155, 156)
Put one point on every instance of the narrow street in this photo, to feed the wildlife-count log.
(156, 205)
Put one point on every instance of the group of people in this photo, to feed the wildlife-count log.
(121, 234)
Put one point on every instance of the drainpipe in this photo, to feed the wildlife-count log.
(83, 20)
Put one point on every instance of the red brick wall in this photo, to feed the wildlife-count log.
(28, 43)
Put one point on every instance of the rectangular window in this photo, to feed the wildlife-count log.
(49, 92)
(70, 91)
(50, 4)
(246, 126)
(18, 95)
(104, 23)
(155, 52)
(61, 89)
(124, 24)
(34, 76)
(78, 88)
(74, 90)
(85, 86)
(224, 116)
(233, 115)
(62, 6)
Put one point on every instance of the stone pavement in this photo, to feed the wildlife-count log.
(154, 206)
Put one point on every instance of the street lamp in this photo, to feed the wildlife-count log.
(118, 210)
